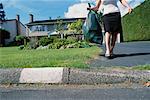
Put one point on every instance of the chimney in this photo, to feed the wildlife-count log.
(18, 24)
(31, 18)
(17, 17)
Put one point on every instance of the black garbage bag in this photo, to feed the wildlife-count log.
(92, 27)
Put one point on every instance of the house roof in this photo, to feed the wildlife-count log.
(53, 21)
(13, 20)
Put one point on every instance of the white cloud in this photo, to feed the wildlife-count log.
(77, 11)
(9, 3)
(19, 5)
(80, 10)
(95, 0)
(87, 0)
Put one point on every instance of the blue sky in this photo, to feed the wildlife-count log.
(41, 9)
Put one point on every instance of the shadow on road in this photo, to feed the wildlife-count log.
(128, 55)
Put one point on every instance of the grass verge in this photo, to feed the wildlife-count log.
(141, 67)
(12, 57)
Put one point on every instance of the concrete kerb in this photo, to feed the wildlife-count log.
(10, 75)
(78, 76)
(71, 76)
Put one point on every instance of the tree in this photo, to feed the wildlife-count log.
(60, 27)
(76, 26)
(3, 35)
(2, 13)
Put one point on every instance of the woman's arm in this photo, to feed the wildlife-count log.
(97, 6)
(124, 3)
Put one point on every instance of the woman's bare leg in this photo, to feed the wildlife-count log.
(113, 42)
(107, 41)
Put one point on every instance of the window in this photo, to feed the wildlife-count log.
(39, 28)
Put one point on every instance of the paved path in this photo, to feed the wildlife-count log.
(127, 54)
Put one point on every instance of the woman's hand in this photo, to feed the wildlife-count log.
(98, 3)
(88, 8)
(124, 3)
(94, 8)
(129, 10)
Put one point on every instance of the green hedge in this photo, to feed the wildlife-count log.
(136, 25)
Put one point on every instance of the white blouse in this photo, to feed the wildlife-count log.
(109, 6)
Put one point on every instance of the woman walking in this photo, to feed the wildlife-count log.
(112, 22)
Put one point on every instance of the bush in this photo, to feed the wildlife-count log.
(84, 44)
(33, 44)
(14, 43)
(71, 40)
(68, 44)
(3, 35)
(58, 43)
(55, 43)
(45, 41)
(20, 40)
(21, 47)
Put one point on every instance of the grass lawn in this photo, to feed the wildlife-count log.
(142, 67)
(12, 57)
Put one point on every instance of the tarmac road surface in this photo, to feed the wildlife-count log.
(79, 93)
(126, 54)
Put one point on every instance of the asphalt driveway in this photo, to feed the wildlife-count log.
(127, 54)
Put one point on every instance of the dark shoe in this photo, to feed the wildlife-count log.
(108, 56)
(113, 55)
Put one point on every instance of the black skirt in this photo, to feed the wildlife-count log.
(112, 22)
